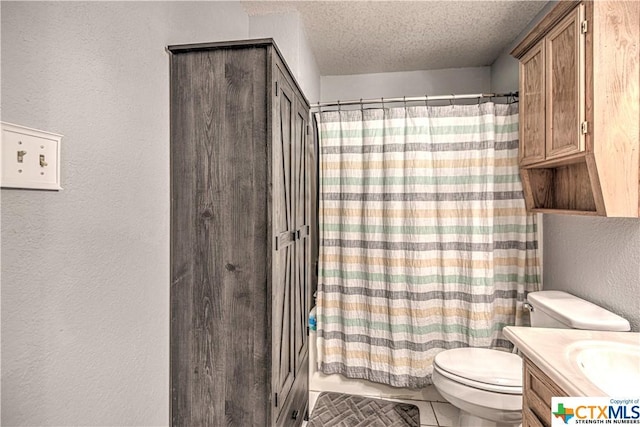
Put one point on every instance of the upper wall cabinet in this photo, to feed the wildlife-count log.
(579, 110)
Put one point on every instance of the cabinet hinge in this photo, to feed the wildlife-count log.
(276, 88)
(308, 129)
(583, 27)
(584, 128)
(276, 400)
(307, 331)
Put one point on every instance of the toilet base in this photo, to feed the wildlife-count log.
(479, 408)
(465, 419)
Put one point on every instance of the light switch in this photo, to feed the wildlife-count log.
(30, 158)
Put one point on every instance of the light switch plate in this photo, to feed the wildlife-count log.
(30, 158)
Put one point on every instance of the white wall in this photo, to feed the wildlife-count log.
(597, 259)
(410, 83)
(85, 272)
(288, 32)
(504, 74)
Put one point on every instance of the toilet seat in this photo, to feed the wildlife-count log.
(485, 369)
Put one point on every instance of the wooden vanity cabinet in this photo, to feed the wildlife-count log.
(579, 110)
(536, 398)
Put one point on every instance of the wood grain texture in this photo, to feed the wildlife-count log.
(529, 419)
(541, 186)
(293, 409)
(565, 212)
(532, 106)
(224, 98)
(596, 187)
(302, 234)
(563, 87)
(588, 75)
(592, 77)
(283, 221)
(295, 115)
(182, 254)
(565, 187)
(267, 43)
(527, 190)
(226, 200)
(542, 28)
(313, 211)
(616, 129)
(301, 342)
(560, 161)
(572, 188)
(538, 390)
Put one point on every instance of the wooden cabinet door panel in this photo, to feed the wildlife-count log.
(291, 296)
(302, 238)
(532, 106)
(565, 86)
(283, 231)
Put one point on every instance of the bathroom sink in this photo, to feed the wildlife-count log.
(611, 366)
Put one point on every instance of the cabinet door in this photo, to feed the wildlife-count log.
(565, 86)
(532, 106)
(301, 199)
(283, 292)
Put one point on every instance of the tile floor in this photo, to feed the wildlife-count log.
(432, 414)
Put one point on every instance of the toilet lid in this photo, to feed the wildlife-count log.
(482, 365)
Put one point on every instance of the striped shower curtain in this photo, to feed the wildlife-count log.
(425, 243)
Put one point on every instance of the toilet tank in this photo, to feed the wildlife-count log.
(557, 309)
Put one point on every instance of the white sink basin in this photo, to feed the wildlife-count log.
(611, 366)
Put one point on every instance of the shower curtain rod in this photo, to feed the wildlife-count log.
(425, 98)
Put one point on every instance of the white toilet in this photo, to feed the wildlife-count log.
(486, 384)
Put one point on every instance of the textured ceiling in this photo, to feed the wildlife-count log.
(353, 37)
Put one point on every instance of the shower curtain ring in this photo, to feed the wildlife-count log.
(404, 101)
(339, 106)
(452, 100)
(382, 102)
(426, 100)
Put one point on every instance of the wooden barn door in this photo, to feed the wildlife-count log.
(284, 234)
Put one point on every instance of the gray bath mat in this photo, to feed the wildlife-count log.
(344, 410)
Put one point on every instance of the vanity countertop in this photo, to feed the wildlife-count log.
(553, 351)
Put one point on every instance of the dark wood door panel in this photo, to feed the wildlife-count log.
(302, 233)
(284, 223)
(284, 363)
(293, 409)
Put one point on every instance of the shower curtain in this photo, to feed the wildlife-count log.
(425, 243)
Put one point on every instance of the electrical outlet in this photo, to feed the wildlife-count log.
(30, 158)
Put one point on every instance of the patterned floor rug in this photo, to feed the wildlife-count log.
(343, 410)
